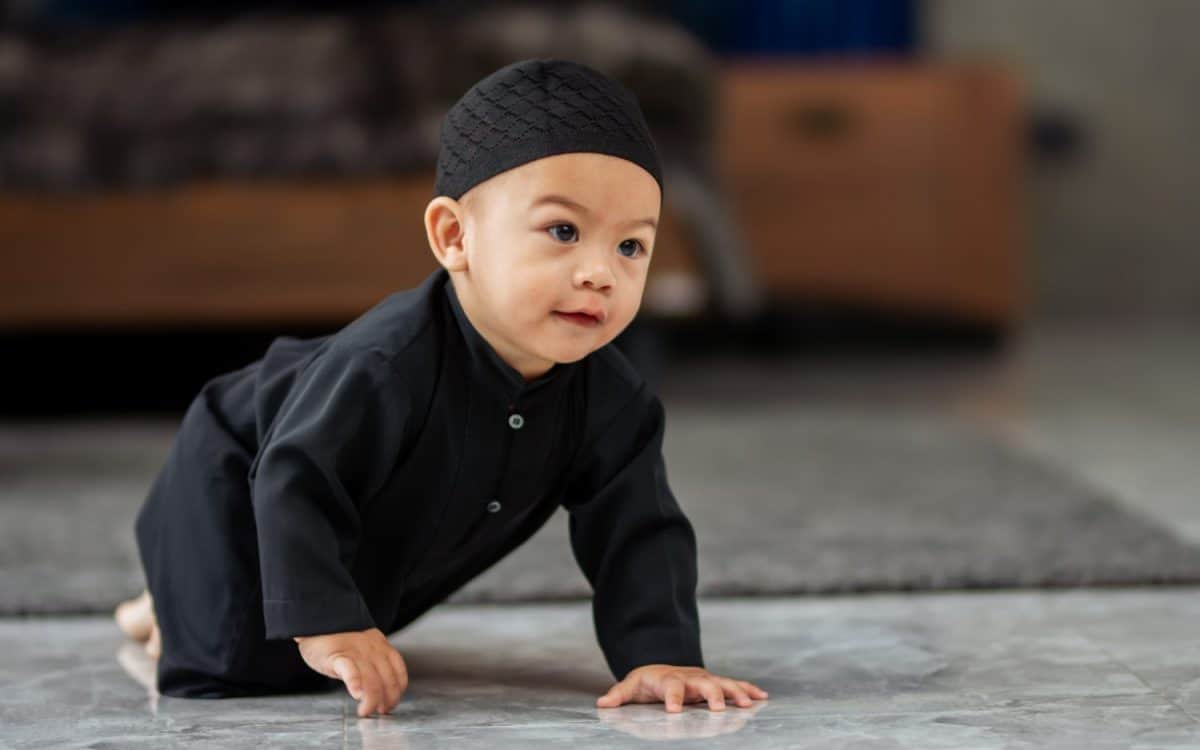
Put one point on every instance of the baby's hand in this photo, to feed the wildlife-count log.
(676, 685)
(374, 672)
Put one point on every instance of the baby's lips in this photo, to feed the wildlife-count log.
(595, 313)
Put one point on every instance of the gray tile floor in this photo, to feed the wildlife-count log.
(1061, 668)
(1116, 668)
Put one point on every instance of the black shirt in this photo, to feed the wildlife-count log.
(391, 462)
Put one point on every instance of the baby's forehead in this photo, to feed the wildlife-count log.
(585, 182)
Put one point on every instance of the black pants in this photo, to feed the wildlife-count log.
(196, 538)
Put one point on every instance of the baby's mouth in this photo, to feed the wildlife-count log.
(578, 318)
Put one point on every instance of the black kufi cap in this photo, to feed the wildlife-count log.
(535, 108)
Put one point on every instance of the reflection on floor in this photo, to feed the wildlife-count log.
(1087, 668)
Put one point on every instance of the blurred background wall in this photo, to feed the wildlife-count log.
(1113, 85)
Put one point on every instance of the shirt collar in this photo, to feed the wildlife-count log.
(486, 362)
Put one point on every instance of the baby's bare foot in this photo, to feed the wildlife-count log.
(154, 643)
(135, 617)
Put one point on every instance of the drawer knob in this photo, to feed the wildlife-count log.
(818, 120)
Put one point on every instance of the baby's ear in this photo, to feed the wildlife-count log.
(444, 228)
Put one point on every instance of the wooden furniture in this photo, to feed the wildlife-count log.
(892, 186)
(889, 186)
(220, 253)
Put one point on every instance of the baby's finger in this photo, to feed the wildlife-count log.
(711, 691)
(347, 671)
(736, 691)
(383, 697)
(372, 689)
(753, 689)
(620, 693)
(673, 690)
(391, 683)
(397, 663)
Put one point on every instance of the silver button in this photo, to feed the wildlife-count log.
(493, 506)
(516, 421)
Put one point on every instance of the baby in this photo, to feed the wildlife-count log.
(339, 487)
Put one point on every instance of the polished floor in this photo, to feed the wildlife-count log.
(1088, 668)
(1078, 668)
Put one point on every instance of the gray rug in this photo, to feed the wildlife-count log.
(785, 500)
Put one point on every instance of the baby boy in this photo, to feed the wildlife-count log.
(339, 487)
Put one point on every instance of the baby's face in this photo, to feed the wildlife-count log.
(556, 255)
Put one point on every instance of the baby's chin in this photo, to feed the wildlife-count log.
(566, 354)
(564, 357)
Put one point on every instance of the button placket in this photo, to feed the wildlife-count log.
(515, 421)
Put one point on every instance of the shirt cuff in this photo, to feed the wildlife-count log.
(287, 618)
(675, 646)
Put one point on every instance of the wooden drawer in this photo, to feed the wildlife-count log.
(892, 186)
(836, 124)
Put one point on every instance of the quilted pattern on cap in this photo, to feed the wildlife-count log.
(535, 108)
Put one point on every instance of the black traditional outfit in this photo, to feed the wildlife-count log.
(354, 480)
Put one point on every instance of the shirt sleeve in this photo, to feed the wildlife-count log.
(635, 545)
(331, 447)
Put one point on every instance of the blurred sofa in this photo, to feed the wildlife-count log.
(275, 168)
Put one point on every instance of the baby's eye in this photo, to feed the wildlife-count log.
(637, 247)
(560, 226)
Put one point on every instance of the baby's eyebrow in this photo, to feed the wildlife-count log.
(565, 201)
